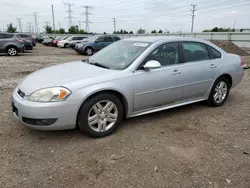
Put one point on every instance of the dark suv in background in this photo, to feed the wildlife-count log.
(27, 38)
(11, 44)
(95, 43)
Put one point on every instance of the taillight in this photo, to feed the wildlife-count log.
(18, 39)
(242, 63)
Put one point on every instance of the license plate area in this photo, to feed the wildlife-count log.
(14, 109)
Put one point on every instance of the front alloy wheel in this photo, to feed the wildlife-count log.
(100, 115)
(89, 51)
(12, 51)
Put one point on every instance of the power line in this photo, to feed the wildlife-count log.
(70, 17)
(114, 22)
(19, 20)
(193, 11)
(87, 22)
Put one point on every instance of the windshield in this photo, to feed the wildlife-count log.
(119, 55)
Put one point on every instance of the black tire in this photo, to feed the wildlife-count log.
(12, 51)
(87, 106)
(89, 51)
(66, 45)
(211, 101)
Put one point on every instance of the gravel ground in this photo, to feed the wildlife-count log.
(193, 146)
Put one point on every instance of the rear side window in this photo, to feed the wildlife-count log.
(214, 54)
(194, 51)
(23, 35)
(108, 39)
(8, 36)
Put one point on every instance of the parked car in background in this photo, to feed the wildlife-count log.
(27, 37)
(65, 43)
(48, 41)
(56, 40)
(11, 44)
(129, 78)
(27, 45)
(74, 42)
(95, 43)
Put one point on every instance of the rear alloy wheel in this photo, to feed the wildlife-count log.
(66, 45)
(219, 92)
(89, 51)
(100, 115)
(12, 51)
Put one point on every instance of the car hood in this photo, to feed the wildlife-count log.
(66, 75)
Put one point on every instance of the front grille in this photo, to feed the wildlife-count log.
(21, 93)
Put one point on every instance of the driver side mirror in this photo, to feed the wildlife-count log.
(152, 64)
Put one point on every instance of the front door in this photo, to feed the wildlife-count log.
(160, 86)
(99, 43)
(198, 71)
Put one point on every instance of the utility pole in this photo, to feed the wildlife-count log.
(234, 25)
(30, 26)
(193, 11)
(36, 24)
(87, 13)
(19, 24)
(70, 18)
(53, 17)
(114, 22)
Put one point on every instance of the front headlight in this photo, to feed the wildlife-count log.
(54, 94)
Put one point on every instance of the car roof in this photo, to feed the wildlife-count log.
(163, 39)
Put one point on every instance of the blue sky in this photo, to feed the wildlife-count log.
(170, 15)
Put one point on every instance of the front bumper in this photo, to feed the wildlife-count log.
(44, 116)
(61, 45)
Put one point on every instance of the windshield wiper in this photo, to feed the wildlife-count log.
(99, 65)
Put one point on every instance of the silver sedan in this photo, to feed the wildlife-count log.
(129, 78)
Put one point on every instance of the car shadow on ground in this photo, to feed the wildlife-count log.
(125, 126)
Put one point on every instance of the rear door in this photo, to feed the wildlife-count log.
(108, 41)
(199, 71)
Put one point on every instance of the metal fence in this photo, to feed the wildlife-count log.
(241, 39)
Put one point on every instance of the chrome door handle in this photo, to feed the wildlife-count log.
(175, 72)
(213, 66)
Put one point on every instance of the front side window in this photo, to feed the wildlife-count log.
(101, 39)
(119, 55)
(167, 54)
(194, 51)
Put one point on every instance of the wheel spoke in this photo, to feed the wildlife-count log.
(93, 120)
(109, 106)
(102, 126)
(220, 98)
(216, 96)
(96, 110)
(99, 106)
(224, 90)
